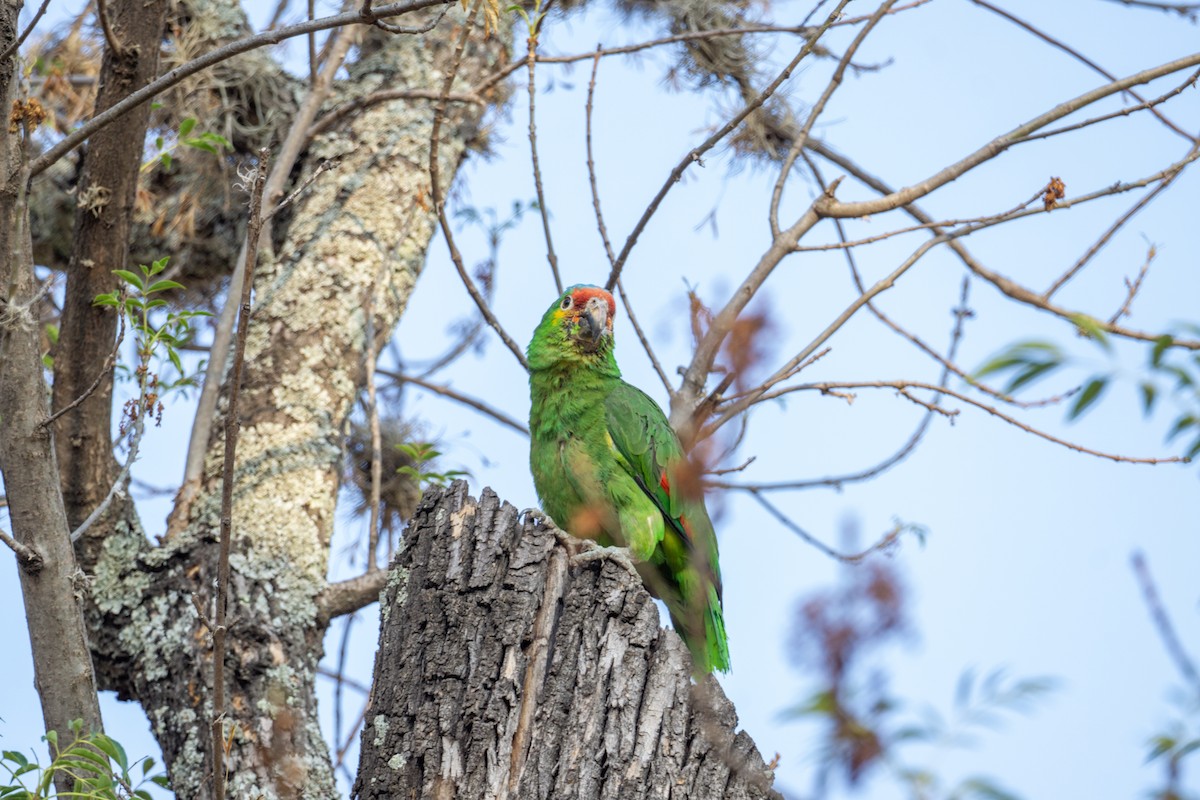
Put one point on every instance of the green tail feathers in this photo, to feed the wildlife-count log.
(710, 649)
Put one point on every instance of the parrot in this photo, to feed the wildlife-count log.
(608, 467)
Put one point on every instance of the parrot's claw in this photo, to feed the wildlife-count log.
(594, 552)
(537, 517)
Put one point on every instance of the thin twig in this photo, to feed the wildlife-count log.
(312, 47)
(694, 155)
(446, 391)
(383, 96)
(689, 36)
(551, 256)
(885, 541)
(412, 29)
(1166, 631)
(223, 53)
(324, 166)
(229, 460)
(104, 372)
(373, 417)
(1007, 286)
(591, 163)
(12, 48)
(1050, 40)
(1133, 287)
(829, 387)
(1188, 10)
(439, 202)
(122, 479)
(1124, 112)
(1117, 224)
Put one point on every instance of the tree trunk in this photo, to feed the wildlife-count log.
(50, 584)
(360, 230)
(504, 672)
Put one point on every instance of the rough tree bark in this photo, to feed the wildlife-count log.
(103, 214)
(504, 672)
(361, 229)
(50, 585)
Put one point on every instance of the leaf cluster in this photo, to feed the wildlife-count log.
(1167, 373)
(95, 763)
(207, 141)
(422, 455)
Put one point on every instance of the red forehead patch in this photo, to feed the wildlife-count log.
(581, 294)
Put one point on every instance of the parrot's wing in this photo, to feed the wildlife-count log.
(651, 451)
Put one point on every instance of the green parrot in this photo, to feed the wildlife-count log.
(608, 467)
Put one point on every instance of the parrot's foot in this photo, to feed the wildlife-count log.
(594, 552)
(538, 517)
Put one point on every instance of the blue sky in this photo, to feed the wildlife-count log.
(1026, 565)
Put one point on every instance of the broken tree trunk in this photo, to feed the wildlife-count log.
(504, 672)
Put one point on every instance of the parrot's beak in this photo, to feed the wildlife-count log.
(594, 319)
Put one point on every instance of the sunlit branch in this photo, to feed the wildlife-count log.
(1053, 42)
(216, 56)
(1005, 285)
(696, 153)
(446, 391)
(901, 387)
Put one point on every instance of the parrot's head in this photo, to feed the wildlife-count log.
(577, 328)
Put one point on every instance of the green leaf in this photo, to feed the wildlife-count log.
(15, 756)
(1093, 329)
(159, 265)
(109, 299)
(147, 765)
(1149, 394)
(52, 333)
(174, 356)
(186, 126)
(155, 106)
(1181, 424)
(1162, 744)
(158, 143)
(1030, 374)
(112, 748)
(161, 781)
(1091, 392)
(162, 286)
(200, 144)
(1160, 346)
(131, 278)
(166, 160)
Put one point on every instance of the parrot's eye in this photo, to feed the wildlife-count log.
(566, 303)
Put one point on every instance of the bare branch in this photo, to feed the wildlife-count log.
(828, 387)
(694, 155)
(383, 96)
(1166, 631)
(348, 596)
(531, 42)
(439, 202)
(1188, 10)
(830, 207)
(885, 541)
(1133, 286)
(1117, 224)
(1045, 37)
(15, 46)
(100, 376)
(81, 134)
(1005, 285)
(446, 391)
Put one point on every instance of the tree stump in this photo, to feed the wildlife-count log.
(503, 672)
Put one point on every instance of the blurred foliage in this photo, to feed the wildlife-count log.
(867, 731)
(1169, 372)
(96, 765)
